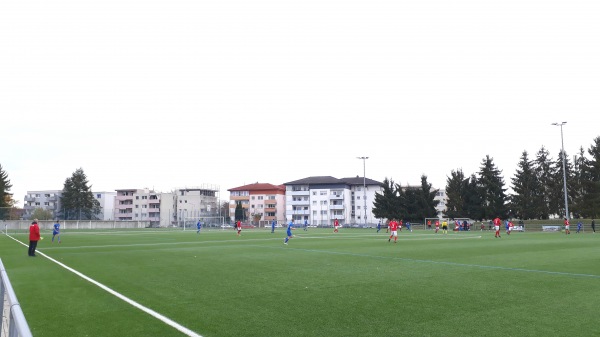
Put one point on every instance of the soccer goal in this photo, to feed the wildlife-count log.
(433, 220)
(216, 222)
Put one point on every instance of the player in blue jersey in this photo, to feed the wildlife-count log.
(579, 225)
(305, 224)
(378, 226)
(273, 223)
(56, 231)
(198, 227)
(289, 232)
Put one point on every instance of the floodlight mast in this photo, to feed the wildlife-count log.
(564, 167)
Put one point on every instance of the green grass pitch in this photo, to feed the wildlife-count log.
(351, 283)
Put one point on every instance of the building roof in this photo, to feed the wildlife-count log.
(259, 187)
(328, 180)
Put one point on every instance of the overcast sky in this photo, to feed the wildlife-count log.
(167, 94)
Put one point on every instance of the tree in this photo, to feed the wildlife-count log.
(77, 200)
(473, 199)
(427, 202)
(577, 187)
(239, 211)
(383, 206)
(6, 201)
(455, 191)
(493, 193)
(527, 192)
(41, 214)
(557, 194)
(590, 201)
(544, 172)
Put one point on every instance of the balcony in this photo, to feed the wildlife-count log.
(336, 197)
(336, 206)
(301, 212)
(307, 192)
(299, 202)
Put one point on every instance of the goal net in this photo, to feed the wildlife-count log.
(190, 223)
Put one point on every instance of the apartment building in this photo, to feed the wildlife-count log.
(49, 200)
(323, 199)
(137, 204)
(195, 203)
(261, 203)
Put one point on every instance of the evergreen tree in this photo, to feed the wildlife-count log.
(5, 195)
(473, 199)
(426, 203)
(557, 196)
(77, 200)
(239, 211)
(590, 201)
(493, 193)
(383, 206)
(455, 192)
(526, 188)
(544, 172)
(577, 187)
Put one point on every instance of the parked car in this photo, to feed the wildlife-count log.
(247, 226)
(226, 226)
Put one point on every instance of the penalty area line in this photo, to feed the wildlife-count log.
(149, 311)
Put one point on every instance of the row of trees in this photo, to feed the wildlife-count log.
(537, 190)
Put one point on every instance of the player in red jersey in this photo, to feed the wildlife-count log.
(510, 227)
(393, 230)
(497, 223)
(437, 225)
(336, 224)
(567, 231)
(239, 228)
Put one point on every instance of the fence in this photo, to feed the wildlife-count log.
(13, 323)
(23, 225)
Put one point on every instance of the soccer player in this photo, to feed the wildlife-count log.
(56, 231)
(579, 225)
(198, 227)
(408, 226)
(497, 223)
(510, 227)
(445, 227)
(594, 226)
(336, 224)
(289, 232)
(428, 224)
(273, 223)
(378, 226)
(305, 224)
(567, 231)
(393, 230)
(239, 228)
(437, 226)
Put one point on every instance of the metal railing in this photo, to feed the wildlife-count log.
(13, 323)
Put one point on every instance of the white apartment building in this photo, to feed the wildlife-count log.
(321, 200)
(49, 200)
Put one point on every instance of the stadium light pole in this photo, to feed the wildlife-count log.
(364, 159)
(564, 167)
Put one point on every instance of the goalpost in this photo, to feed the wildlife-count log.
(189, 223)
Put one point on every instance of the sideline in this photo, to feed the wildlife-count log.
(149, 311)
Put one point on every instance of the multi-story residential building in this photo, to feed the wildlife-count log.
(47, 200)
(50, 201)
(196, 203)
(262, 203)
(107, 205)
(321, 200)
(137, 204)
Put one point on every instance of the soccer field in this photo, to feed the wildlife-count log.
(152, 282)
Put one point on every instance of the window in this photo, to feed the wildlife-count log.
(260, 197)
(314, 192)
(323, 193)
(137, 197)
(252, 197)
(47, 195)
(46, 204)
(98, 196)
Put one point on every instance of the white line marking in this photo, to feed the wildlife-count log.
(151, 312)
